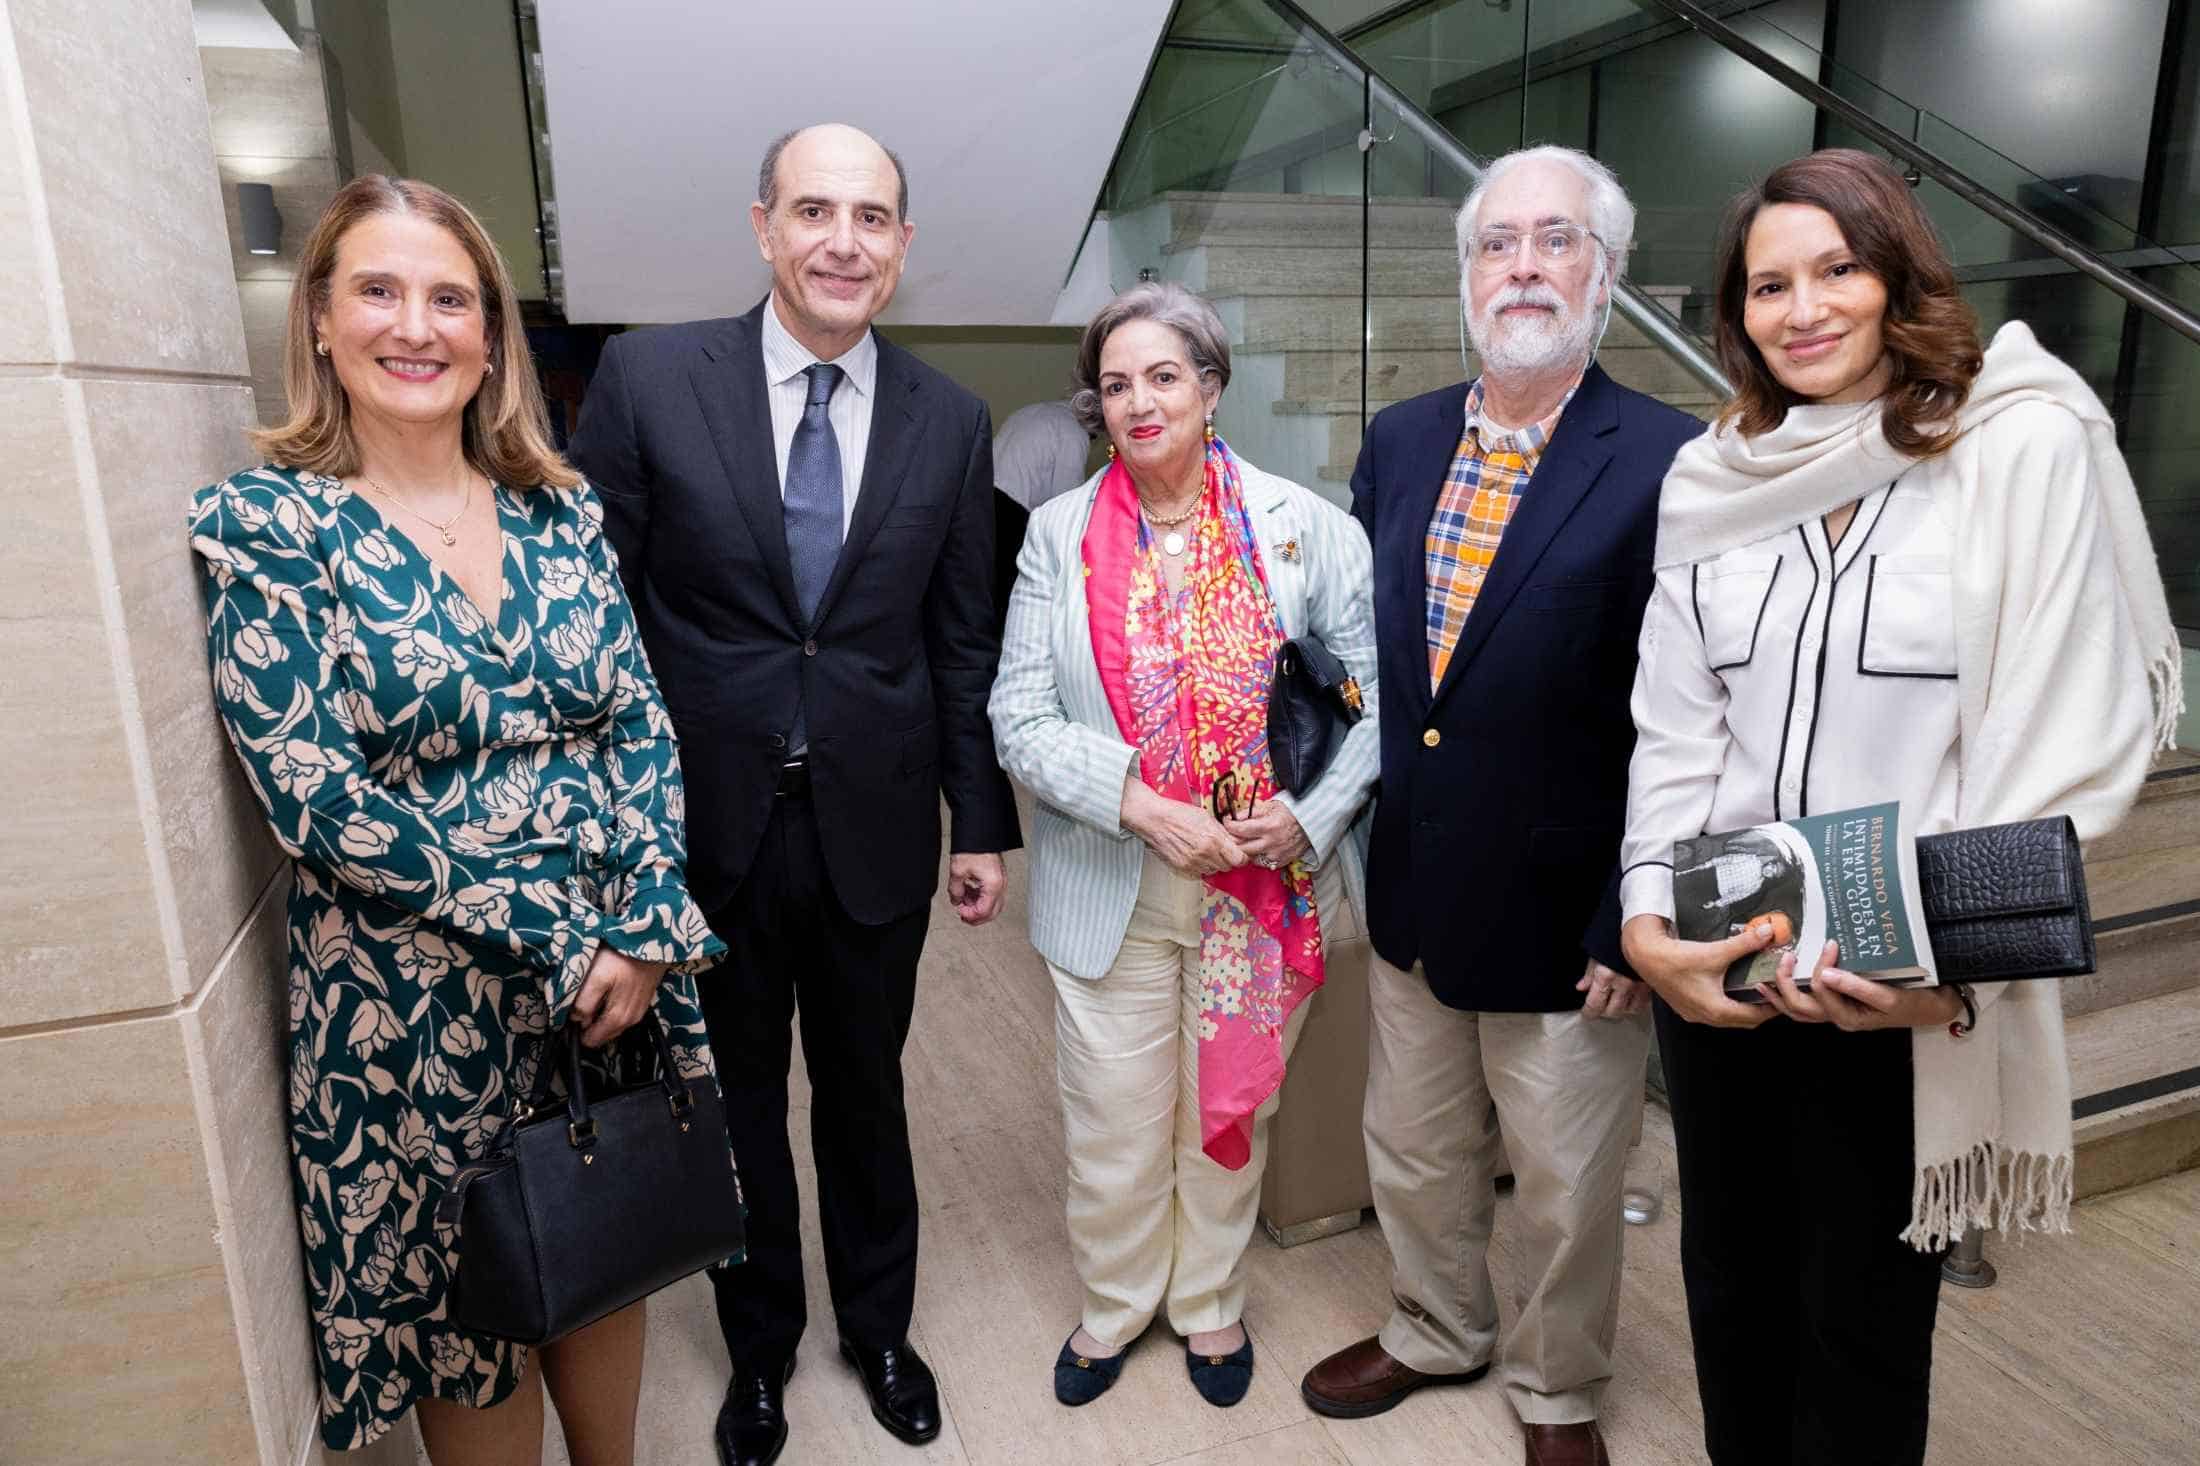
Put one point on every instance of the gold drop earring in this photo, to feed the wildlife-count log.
(1210, 427)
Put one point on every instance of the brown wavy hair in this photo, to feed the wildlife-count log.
(1929, 330)
(507, 431)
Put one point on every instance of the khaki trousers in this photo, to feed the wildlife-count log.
(1152, 1221)
(1567, 1095)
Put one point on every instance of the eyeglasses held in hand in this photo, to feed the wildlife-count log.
(1491, 250)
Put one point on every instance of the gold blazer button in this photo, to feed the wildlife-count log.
(1431, 738)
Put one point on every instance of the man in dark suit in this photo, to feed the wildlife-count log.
(804, 519)
(1512, 519)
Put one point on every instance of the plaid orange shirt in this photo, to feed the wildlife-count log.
(1487, 476)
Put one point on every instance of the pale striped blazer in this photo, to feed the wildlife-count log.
(1056, 736)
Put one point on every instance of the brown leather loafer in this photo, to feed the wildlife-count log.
(1362, 1379)
(1566, 1445)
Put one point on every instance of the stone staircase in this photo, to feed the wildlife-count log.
(1284, 271)
(2134, 1026)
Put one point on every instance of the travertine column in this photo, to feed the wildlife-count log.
(150, 1300)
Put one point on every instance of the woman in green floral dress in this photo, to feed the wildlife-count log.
(425, 662)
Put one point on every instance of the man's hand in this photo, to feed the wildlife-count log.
(1270, 835)
(975, 886)
(1611, 994)
(616, 993)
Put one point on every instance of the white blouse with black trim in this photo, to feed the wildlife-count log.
(1793, 676)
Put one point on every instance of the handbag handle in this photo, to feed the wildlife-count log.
(564, 1051)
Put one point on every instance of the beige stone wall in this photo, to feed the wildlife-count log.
(150, 1302)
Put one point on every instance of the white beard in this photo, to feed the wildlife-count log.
(1535, 344)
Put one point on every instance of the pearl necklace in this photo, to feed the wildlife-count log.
(1172, 543)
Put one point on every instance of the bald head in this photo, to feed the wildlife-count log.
(836, 141)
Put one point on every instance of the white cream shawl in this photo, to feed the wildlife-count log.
(1992, 1110)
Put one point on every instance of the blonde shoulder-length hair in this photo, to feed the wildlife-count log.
(507, 433)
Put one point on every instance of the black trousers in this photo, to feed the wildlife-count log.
(1812, 1319)
(794, 949)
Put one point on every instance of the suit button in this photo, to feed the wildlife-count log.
(1431, 738)
(779, 740)
(809, 649)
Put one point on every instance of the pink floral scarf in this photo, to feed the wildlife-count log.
(1187, 678)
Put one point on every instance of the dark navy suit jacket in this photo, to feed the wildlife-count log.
(1495, 854)
(892, 671)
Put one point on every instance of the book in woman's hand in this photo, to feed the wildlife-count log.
(1848, 877)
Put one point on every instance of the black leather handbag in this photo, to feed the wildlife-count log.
(1312, 700)
(580, 1208)
(2006, 902)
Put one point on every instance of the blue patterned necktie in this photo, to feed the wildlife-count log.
(813, 496)
(813, 506)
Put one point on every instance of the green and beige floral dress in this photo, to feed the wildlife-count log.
(470, 810)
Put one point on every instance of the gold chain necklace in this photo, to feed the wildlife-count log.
(441, 527)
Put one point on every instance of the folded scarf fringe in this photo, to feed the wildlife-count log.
(1992, 1191)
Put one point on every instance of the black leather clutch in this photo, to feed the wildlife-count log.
(1312, 700)
(2006, 902)
(579, 1209)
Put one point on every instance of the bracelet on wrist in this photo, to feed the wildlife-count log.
(1960, 1026)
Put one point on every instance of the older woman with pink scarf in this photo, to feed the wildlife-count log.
(1184, 903)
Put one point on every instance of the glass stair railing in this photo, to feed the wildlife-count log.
(1308, 185)
(1270, 169)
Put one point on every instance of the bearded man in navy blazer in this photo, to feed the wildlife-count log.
(1512, 519)
(803, 515)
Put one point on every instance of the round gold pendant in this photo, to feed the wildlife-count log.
(1173, 543)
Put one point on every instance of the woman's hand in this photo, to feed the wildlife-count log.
(1270, 836)
(1691, 976)
(616, 993)
(1191, 841)
(1855, 1003)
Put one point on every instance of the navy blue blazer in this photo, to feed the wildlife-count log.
(1494, 859)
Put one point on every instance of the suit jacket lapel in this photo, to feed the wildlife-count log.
(1266, 505)
(729, 386)
(1084, 698)
(1430, 447)
(896, 424)
(1563, 477)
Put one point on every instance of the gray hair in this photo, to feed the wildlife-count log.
(1611, 213)
(1163, 301)
(767, 177)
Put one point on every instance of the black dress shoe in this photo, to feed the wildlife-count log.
(752, 1424)
(904, 1397)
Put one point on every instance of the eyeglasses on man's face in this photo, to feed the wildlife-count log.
(1554, 245)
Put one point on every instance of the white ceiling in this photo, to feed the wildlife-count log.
(1006, 113)
(243, 23)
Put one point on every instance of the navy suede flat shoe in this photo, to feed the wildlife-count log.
(1222, 1379)
(1079, 1380)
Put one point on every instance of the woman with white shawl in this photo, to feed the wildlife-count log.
(1897, 568)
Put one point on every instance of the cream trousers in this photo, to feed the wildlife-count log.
(1152, 1220)
(1566, 1092)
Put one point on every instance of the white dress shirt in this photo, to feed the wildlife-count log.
(785, 362)
(1792, 677)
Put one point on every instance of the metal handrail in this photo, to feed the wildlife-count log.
(1644, 314)
(1926, 161)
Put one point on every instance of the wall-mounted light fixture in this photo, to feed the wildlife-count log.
(263, 224)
